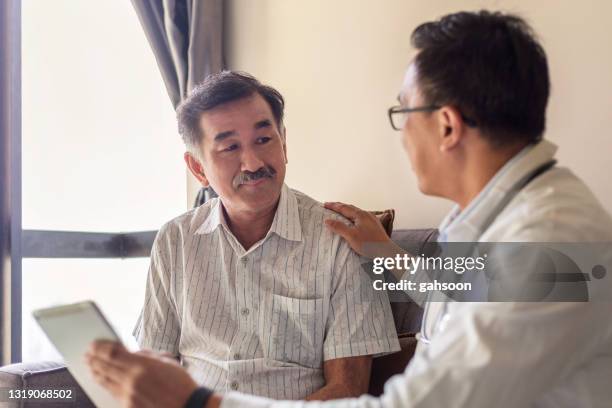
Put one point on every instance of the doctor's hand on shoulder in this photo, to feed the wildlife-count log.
(365, 233)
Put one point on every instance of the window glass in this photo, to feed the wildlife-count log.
(117, 286)
(101, 152)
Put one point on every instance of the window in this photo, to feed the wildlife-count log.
(100, 153)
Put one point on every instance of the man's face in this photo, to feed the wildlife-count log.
(244, 154)
(420, 134)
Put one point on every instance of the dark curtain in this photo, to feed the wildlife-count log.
(187, 39)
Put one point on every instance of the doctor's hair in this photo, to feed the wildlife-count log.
(491, 67)
(216, 90)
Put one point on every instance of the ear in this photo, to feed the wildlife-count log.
(451, 128)
(196, 168)
(284, 139)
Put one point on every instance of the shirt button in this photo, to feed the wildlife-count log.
(236, 356)
(234, 385)
(244, 312)
(244, 261)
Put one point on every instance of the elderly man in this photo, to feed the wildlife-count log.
(472, 116)
(249, 290)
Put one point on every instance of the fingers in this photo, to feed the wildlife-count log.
(105, 349)
(106, 375)
(346, 210)
(153, 354)
(340, 228)
(111, 352)
(164, 355)
(109, 368)
(106, 380)
(121, 387)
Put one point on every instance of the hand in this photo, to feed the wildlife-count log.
(143, 379)
(365, 235)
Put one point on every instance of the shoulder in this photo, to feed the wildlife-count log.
(557, 206)
(310, 208)
(188, 222)
(312, 220)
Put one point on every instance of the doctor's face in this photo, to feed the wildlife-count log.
(244, 154)
(419, 135)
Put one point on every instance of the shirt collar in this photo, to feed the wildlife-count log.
(467, 225)
(214, 218)
(286, 223)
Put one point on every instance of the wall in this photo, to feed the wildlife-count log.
(340, 63)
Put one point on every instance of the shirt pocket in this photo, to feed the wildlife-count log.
(296, 331)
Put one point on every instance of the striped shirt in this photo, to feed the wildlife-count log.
(261, 320)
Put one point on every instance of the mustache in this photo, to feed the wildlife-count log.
(262, 172)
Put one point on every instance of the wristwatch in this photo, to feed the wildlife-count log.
(199, 397)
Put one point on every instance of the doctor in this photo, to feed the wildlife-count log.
(472, 116)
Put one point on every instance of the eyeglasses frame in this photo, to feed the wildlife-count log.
(430, 108)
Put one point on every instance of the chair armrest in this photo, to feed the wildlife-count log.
(387, 366)
(39, 375)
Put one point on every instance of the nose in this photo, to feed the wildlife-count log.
(250, 160)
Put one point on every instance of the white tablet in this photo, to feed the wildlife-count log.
(71, 329)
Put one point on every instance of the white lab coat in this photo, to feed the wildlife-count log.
(509, 354)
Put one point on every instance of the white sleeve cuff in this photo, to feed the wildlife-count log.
(238, 400)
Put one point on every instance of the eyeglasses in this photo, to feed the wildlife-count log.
(398, 115)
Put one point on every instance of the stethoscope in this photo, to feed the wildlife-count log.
(427, 332)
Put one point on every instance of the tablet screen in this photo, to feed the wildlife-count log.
(71, 329)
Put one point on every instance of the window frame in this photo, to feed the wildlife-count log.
(10, 180)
